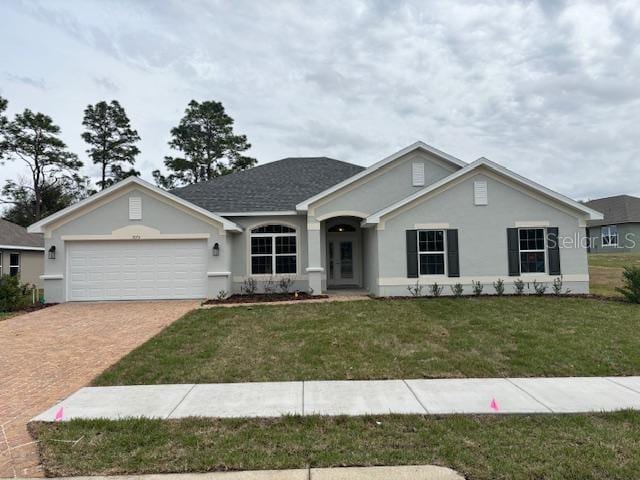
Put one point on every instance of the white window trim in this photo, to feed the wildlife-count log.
(609, 236)
(13, 265)
(424, 252)
(0, 264)
(273, 255)
(543, 250)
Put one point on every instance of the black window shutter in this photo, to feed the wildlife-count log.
(412, 254)
(453, 257)
(513, 252)
(553, 251)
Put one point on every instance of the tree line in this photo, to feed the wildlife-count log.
(204, 138)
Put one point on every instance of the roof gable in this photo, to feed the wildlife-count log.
(495, 168)
(104, 195)
(457, 163)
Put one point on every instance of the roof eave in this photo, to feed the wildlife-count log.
(40, 225)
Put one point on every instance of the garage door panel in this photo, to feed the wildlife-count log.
(137, 270)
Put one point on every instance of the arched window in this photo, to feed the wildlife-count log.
(273, 250)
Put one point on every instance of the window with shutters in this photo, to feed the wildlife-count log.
(431, 251)
(480, 194)
(417, 174)
(135, 208)
(610, 236)
(273, 250)
(532, 250)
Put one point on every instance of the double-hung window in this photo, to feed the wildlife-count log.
(273, 250)
(610, 236)
(532, 250)
(14, 264)
(431, 252)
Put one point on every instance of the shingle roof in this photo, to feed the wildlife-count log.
(274, 186)
(15, 235)
(618, 209)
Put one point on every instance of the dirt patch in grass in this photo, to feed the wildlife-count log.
(266, 298)
(385, 339)
(602, 446)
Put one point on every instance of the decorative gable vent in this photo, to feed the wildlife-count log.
(135, 208)
(417, 174)
(480, 195)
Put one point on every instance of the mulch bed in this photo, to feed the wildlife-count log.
(30, 308)
(266, 298)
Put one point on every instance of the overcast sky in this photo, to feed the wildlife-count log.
(550, 90)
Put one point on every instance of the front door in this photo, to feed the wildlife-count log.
(342, 260)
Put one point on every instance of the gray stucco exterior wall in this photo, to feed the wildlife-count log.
(482, 237)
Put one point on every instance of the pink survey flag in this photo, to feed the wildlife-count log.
(494, 405)
(59, 414)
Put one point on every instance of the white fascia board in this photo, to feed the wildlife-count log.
(38, 226)
(20, 247)
(258, 214)
(304, 206)
(593, 215)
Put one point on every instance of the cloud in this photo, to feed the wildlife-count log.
(548, 88)
(25, 80)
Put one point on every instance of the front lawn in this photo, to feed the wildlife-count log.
(603, 446)
(605, 271)
(379, 339)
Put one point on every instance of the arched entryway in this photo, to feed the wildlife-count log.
(344, 253)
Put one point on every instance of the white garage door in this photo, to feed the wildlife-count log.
(137, 270)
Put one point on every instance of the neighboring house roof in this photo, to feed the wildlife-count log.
(304, 206)
(484, 162)
(15, 237)
(272, 187)
(617, 209)
(38, 226)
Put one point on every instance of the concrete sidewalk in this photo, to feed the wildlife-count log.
(408, 472)
(273, 399)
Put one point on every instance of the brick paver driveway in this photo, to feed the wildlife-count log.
(47, 355)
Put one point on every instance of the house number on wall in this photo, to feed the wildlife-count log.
(136, 237)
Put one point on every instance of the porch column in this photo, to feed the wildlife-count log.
(314, 269)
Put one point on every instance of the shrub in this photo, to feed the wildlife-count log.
(631, 284)
(249, 286)
(415, 290)
(269, 286)
(435, 290)
(285, 284)
(477, 288)
(498, 286)
(518, 287)
(557, 287)
(13, 296)
(222, 294)
(540, 288)
(457, 290)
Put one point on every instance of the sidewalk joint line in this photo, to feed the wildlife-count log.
(181, 400)
(622, 385)
(416, 397)
(530, 394)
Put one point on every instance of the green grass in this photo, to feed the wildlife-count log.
(602, 446)
(605, 271)
(425, 338)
